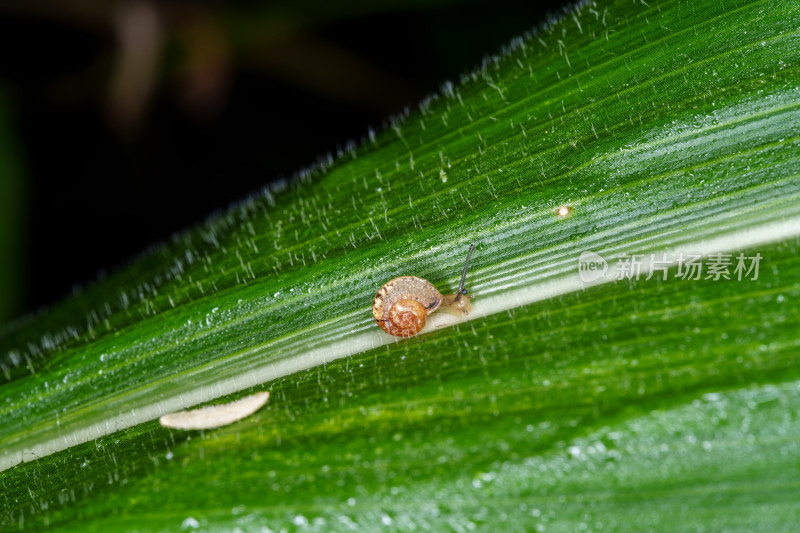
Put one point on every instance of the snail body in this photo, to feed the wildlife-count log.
(401, 307)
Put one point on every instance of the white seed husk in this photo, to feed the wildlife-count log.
(214, 416)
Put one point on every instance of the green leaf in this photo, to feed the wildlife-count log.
(638, 404)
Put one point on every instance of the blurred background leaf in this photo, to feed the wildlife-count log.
(13, 215)
(114, 100)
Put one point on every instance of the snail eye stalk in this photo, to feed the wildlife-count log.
(461, 289)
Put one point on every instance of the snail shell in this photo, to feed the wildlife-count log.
(401, 307)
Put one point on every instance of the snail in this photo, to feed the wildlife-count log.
(401, 307)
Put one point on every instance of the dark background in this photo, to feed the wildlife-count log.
(124, 122)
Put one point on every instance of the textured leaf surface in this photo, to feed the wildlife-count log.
(669, 127)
